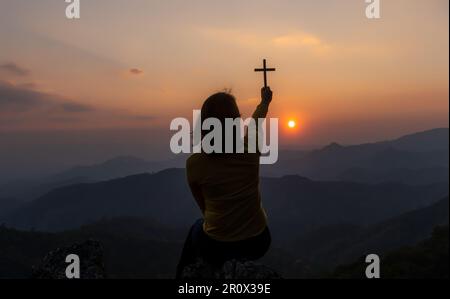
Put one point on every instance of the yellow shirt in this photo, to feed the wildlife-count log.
(228, 185)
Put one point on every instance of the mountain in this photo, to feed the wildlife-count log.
(125, 256)
(143, 248)
(7, 205)
(425, 260)
(137, 255)
(163, 195)
(431, 140)
(27, 190)
(369, 198)
(138, 228)
(420, 158)
(114, 168)
(421, 176)
(330, 246)
(291, 201)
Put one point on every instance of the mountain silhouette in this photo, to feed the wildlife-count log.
(143, 248)
(420, 158)
(161, 196)
(326, 207)
(426, 260)
(27, 190)
(125, 256)
(291, 201)
(330, 246)
(114, 168)
(431, 140)
(8, 205)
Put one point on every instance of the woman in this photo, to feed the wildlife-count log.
(226, 189)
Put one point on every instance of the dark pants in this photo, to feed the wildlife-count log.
(199, 245)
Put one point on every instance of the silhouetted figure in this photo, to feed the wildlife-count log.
(226, 189)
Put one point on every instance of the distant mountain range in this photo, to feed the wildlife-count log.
(326, 207)
(7, 205)
(429, 259)
(133, 248)
(140, 248)
(416, 158)
(419, 158)
(115, 168)
(291, 201)
(123, 166)
(330, 246)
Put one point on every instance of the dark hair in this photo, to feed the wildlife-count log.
(221, 106)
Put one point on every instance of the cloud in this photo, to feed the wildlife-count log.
(14, 69)
(256, 40)
(22, 106)
(135, 71)
(301, 40)
(20, 99)
(296, 40)
(76, 107)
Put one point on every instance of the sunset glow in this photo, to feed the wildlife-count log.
(138, 66)
(292, 124)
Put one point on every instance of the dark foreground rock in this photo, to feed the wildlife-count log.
(90, 253)
(230, 270)
(54, 264)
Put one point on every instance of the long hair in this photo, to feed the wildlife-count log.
(221, 106)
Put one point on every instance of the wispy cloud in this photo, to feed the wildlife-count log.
(301, 40)
(19, 99)
(14, 69)
(136, 71)
(255, 40)
(14, 98)
(22, 106)
(76, 107)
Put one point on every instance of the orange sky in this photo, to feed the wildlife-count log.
(341, 76)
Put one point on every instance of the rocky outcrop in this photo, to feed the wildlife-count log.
(54, 264)
(90, 253)
(233, 269)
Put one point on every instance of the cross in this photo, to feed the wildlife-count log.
(265, 70)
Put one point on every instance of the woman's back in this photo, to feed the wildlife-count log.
(229, 184)
(226, 189)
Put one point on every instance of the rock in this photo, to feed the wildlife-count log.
(54, 265)
(247, 270)
(233, 269)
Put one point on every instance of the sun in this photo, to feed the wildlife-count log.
(292, 124)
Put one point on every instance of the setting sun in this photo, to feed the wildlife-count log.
(292, 124)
